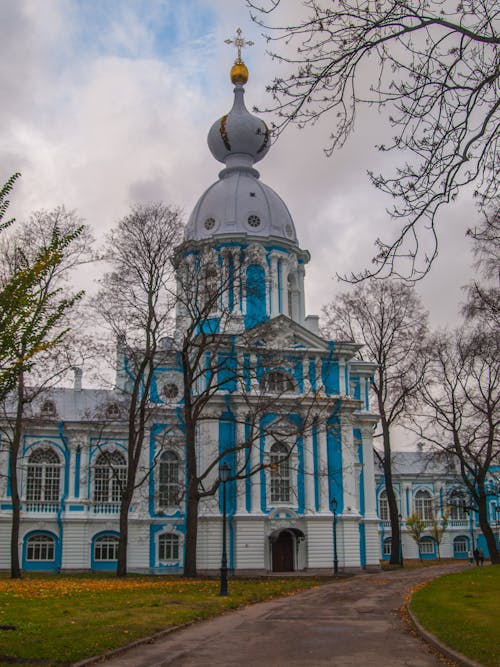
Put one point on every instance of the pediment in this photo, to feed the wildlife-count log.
(282, 333)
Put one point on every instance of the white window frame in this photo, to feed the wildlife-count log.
(109, 543)
(463, 542)
(109, 477)
(383, 506)
(426, 546)
(41, 545)
(173, 542)
(169, 484)
(387, 546)
(280, 474)
(423, 505)
(43, 477)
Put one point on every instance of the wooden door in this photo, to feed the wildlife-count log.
(283, 553)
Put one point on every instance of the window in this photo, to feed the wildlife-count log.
(387, 546)
(113, 411)
(48, 409)
(457, 512)
(423, 505)
(253, 221)
(383, 506)
(211, 295)
(110, 471)
(426, 546)
(106, 548)
(460, 545)
(43, 476)
(280, 473)
(40, 548)
(168, 483)
(168, 547)
(278, 382)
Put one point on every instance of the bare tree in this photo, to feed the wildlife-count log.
(460, 413)
(42, 326)
(431, 66)
(135, 302)
(387, 317)
(416, 528)
(483, 296)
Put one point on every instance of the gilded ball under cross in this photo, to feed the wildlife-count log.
(239, 73)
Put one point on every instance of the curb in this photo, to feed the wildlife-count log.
(123, 649)
(442, 648)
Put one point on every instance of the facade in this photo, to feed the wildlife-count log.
(430, 487)
(312, 448)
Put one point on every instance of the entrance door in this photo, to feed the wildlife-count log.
(283, 552)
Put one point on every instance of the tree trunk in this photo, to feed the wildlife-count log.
(15, 567)
(121, 566)
(489, 536)
(192, 498)
(391, 496)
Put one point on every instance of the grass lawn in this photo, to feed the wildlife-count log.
(462, 611)
(59, 619)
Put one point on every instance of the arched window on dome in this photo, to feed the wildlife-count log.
(43, 479)
(277, 382)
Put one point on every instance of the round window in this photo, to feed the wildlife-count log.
(209, 223)
(254, 221)
(170, 390)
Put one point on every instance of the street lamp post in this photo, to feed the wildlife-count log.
(224, 471)
(335, 558)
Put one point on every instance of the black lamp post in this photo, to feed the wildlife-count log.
(224, 471)
(335, 559)
(400, 540)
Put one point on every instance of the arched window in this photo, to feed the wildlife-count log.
(113, 411)
(423, 505)
(460, 545)
(277, 382)
(110, 471)
(280, 473)
(383, 506)
(106, 548)
(387, 547)
(292, 296)
(40, 547)
(168, 480)
(48, 409)
(457, 512)
(168, 547)
(210, 294)
(43, 476)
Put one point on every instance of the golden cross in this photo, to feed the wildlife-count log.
(239, 43)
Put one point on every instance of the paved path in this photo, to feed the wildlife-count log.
(352, 622)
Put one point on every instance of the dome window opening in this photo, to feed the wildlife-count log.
(209, 223)
(289, 230)
(253, 221)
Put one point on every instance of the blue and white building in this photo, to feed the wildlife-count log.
(74, 445)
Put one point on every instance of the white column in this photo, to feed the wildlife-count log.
(302, 308)
(349, 460)
(369, 472)
(255, 479)
(284, 286)
(309, 504)
(240, 462)
(274, 285)
(342, 387)
(323, 469)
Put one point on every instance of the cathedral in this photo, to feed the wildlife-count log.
(307, 490)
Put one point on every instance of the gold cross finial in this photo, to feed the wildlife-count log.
(239, 43)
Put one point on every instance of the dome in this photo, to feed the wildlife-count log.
(239, 203)
(239, 133)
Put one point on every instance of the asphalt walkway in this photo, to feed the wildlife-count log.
(350, 622)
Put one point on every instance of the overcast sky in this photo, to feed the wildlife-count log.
(106, 103)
